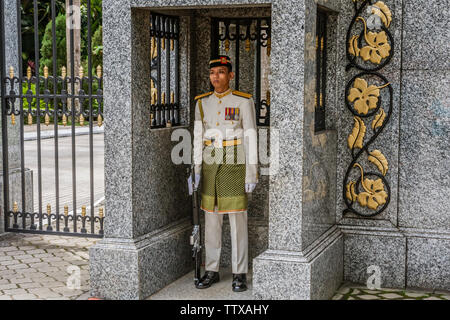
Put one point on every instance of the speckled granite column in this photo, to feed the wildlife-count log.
(15, 182)
(371, 241)
(147, 225)
(304, 258)
(424, 182)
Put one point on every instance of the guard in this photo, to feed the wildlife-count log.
(225, 158)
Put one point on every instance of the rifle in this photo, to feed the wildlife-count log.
(195, 238)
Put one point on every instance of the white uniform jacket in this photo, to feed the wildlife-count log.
(227, 116)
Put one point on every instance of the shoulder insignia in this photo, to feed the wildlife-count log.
(242, 94)
(203, 95)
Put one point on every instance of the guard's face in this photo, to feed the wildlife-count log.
(220, 78)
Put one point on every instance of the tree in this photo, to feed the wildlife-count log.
(27, 25)
(97, 48)
(47, 50)
(74, 28)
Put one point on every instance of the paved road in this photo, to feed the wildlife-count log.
(65, 171)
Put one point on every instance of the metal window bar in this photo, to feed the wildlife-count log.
(8, 109)
(165, 107)
(261, 38)
(321, 71)
(176, 102)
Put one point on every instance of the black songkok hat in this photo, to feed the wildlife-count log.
(220, 61)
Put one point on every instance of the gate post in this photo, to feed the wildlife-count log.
(14, 161)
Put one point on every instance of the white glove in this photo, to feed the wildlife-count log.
(249, 187)
(197, 181)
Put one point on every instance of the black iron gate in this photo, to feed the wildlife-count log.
(65, 97)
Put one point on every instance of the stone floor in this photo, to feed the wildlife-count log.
(35, 267)
(351, 291)
(184, 289)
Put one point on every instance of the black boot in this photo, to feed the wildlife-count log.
(239, 282)
(208, 279)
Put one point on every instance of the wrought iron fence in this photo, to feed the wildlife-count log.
(62, 95)
(254, 33)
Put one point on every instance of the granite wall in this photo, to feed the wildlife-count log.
(409, 240)
(424, 165)
(304, 255)
(359, 230)
(297, 222)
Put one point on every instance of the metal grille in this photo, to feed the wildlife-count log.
(238, 36)
(60, 94)
(321, 71)
(165, 96)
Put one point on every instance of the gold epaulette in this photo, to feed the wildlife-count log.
(242, 94)
(203, 95)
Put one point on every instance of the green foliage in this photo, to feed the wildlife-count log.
(45, 35)
(47, 50)
(45, 46)
(96, 19)
(27, 25)
(97, 48)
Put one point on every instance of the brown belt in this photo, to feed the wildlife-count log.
(225, 143)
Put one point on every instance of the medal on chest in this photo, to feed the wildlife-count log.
(232, 114)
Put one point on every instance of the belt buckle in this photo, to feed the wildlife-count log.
(217, 143)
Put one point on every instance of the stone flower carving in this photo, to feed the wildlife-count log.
(365, 97)
(377, 47)
(373, 195)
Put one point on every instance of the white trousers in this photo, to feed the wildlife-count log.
(239, 241)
